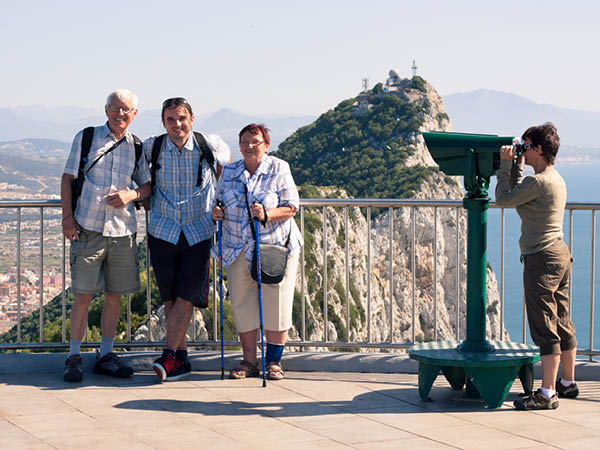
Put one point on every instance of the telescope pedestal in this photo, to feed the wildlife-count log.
(486, 374)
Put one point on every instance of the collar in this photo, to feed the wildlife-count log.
(263, 167)
(189, 145)
(105, 132)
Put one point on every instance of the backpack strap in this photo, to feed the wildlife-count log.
(137, 144)
(154, 165)
(86, 145)
(207, 154)
(77, 183)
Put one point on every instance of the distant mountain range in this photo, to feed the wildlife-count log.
(63, 123)
(487, 111)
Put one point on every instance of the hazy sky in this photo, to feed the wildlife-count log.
(293, 56)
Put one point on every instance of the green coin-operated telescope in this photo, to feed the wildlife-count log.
(476, 157)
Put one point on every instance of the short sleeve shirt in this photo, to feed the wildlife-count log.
(178, 204)
(273, 186)
(111, 173)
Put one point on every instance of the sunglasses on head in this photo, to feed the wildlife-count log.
(175, 101)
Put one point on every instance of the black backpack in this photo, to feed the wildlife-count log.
(86, 145)
(206, 154)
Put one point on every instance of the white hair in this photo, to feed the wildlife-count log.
(123, 95)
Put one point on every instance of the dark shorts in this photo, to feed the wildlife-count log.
(182, 271)
(546, 277)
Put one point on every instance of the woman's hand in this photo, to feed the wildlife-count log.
(218, 213)
(257, 210)
(507, 152)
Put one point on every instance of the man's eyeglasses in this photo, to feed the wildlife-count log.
(113, 108)
(528, 146)
(175, 101)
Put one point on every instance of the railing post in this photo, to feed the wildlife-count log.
(457, 212)
(347, 234)
(325, 312)
(302, 278)
(391, 269)
(592, 281)
(19, 275)
(413, 266)
(41, 280)
(502, 274)
(148, 284)
(368, 274)
(64, 292)
(435, 275)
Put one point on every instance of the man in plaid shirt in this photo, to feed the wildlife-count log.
(102, 229)
(181, 229)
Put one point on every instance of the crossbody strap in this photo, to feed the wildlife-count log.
(252, 221)
(114, 146)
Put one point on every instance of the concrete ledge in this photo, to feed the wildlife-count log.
(21, 363)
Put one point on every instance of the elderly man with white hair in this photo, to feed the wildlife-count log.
(105, 173)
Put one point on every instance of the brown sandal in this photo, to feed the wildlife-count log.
(275, 370)
(244, 370)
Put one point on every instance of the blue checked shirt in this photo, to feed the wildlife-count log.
(271, 185)
(177, 204)
(111, 173)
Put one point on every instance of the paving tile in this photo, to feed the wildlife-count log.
(320, 444)
(254, 432)
(15, 437)
(348, 428)
(475, 437)
(409, 443)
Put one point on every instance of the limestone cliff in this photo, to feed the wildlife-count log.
(372, 146)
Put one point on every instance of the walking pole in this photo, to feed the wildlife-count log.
(220, 230)
(262, 339)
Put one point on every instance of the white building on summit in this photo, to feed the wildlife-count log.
(392, 84)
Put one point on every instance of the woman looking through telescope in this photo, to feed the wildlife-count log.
(540, 201)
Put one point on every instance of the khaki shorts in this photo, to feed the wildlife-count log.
(104, 264)
(277, 299)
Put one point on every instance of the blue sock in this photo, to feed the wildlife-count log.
(106, 346)
(274, 352)
(74, 347)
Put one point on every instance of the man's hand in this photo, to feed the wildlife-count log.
(70, 228)
(120, 198)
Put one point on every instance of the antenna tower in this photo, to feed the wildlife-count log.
(414, 68)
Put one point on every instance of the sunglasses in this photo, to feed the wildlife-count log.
(175, 101)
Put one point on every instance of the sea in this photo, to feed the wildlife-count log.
(583, 185)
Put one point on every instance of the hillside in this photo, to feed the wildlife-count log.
(369, 145)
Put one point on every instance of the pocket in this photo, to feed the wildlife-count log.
(229, 198)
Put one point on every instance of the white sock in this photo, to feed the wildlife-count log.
(106, 346)
(566, 383)
(74, 347)
(548, 393)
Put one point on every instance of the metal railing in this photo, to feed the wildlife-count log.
(323, 204)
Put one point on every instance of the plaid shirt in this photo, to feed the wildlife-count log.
(271, 185)
(111, 173)
(177, 204)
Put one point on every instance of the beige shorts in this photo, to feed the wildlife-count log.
(277, 299)
(104, 264)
